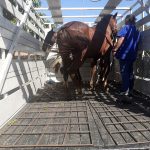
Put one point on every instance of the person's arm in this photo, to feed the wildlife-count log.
(118, 44)
(121, 36)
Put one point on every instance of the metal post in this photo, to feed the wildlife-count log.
(1, 11)
(29, 56)
(143, 16)
(3, 54)
(8, 59)
(19, 58)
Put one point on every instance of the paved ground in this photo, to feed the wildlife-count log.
(54, 120)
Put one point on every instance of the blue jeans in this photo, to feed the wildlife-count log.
(126, 70)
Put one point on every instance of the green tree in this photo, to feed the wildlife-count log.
(36, 3)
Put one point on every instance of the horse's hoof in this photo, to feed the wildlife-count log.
(107, 90)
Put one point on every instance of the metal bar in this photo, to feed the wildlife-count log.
(141, 124)
(131, 123)
(129, 10)
(67, 128)
(48, 145)
(88, 125)
(102, 122)
(85, 8)
(125, 131)
(47, 117)
(131, 115)
(54, 111)
(10, 124)
(55, 107)
(108, 110)
(29, 133)
(41, 136)
(145, 142)
(78, 122)
(21, 134)
(50, 124)
(121, 116)
(118, 129)
(127, 122)
(124, 127)
(85, 16)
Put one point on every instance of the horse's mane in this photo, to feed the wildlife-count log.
(99, 35)
(102, 24)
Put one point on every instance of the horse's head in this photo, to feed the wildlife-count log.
(113, 23)
(49, 40)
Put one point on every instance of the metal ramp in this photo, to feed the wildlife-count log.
(94, 121)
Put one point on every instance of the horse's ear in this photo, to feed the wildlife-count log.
(115, 15)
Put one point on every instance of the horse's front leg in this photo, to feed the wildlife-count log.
(93, 73)
(93, 77)
(77, 80)
(105, 84)
(65, 77)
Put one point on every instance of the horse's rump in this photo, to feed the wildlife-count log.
(72, 38)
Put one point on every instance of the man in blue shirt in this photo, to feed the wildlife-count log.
(126, 51)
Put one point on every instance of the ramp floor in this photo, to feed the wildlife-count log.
(53, 120)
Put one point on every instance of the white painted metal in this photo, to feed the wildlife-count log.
(3, 52)
(55, 12)
(23, 80)
(15, 12)
(7, 62)
(110, 4)
(84, 16)
(84, 8)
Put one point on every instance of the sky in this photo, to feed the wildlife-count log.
(86, 3)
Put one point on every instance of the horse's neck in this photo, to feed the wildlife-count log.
(91, 32)
(108, 30)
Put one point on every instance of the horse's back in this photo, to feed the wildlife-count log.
(75, 25)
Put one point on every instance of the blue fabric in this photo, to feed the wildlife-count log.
(128, 49)
(126, 70)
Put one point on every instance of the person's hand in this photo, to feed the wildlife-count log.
(114, 52)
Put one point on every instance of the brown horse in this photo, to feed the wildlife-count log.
(77, 41)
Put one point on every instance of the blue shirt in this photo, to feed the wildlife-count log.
(128, 49)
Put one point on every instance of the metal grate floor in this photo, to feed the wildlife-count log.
(91, 122)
